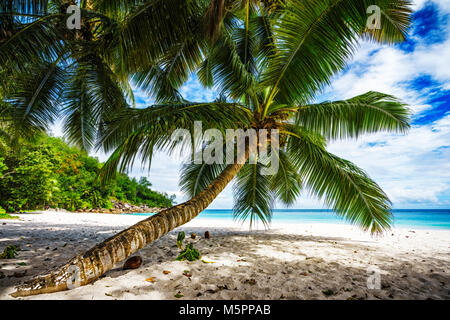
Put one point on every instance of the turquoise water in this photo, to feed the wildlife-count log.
(403, 218)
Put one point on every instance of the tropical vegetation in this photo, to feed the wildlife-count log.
(47, 172)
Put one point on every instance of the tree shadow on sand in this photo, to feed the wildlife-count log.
(282, 275)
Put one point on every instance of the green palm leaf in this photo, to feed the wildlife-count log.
(92, 98)
(163, 79)
(33, 42)
(35, 98)
(314, 41)
(342, 185)
(262, 26)
(137, 132)
(225, 68)
(286, 183)
(196, 177)
(367, 113)
(167, 23)
(253, 198)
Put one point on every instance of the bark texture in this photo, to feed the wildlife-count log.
(86, 268)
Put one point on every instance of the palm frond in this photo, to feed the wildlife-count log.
(286, 183)
(395, 20)
(225, 68)
(266, 46)
(92, 98)
(366, 113)
(341, 184)
(196, 177)
(34, 100)
(116, 8)
(315, 39)
(166, 23)
(37, 41)
(138, 132)
(244, 40)
(205, 72)
(163, 79)
(253, 198)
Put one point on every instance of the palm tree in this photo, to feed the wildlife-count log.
(268, 61)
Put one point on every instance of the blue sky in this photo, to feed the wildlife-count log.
(413, 169)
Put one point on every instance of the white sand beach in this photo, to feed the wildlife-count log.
(295, 261)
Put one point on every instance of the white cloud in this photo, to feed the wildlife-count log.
(192, 90)
(444, 5)
(390, 70)
(411, 168)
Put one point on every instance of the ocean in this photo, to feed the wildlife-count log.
(403, 218)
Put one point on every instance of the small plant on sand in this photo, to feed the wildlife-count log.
(180, 238)
(10, 252)
(189, 253)
(7, 216)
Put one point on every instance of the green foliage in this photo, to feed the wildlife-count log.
(253, 196)
(328, 292)
(189, 253)
(49, 172)
(366, 113)
(10, 252)
(180, 238)
(3, 166)
(4, 215)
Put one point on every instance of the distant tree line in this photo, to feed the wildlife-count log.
(49, 173)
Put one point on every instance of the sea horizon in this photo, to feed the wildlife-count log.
(403, 218)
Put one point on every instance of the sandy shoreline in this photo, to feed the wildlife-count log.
(290, 261)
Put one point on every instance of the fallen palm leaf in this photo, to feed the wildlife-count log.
(204, 261)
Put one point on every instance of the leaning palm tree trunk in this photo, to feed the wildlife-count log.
(92, 264)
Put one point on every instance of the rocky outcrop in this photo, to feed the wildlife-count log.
(123, 207)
